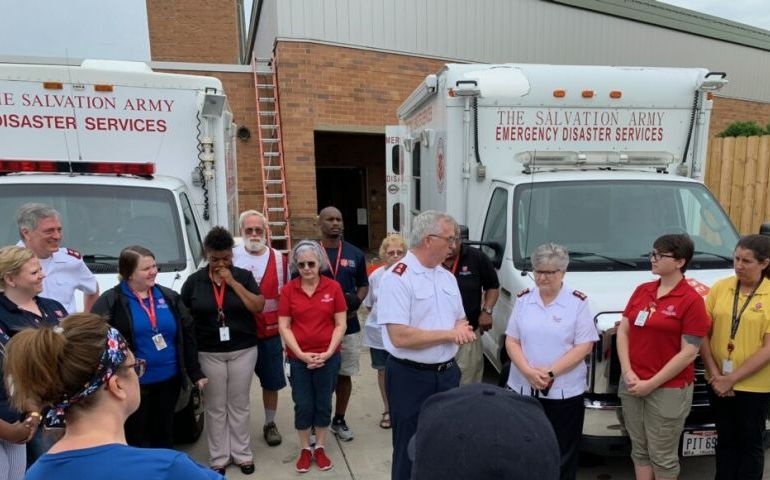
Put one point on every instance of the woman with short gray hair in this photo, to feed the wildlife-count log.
(550, 332)
(312, 318)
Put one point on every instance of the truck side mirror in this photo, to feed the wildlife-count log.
(764, 229)
(497, 258)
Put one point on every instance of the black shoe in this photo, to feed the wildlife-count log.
(247, 468)
(219, 470)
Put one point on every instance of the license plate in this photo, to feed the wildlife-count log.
(699, 442)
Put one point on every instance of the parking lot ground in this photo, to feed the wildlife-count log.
(367, 457)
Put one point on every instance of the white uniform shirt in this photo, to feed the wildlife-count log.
(546, 333)
(372, 330)
(420, 297)
(257, 264)
(65, 271)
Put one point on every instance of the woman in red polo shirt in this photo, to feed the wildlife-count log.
(312, 322)
(659, 336)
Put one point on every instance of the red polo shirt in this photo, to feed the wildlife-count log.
(312, 316)
(680, 312)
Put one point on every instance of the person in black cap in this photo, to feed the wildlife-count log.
(512, 440)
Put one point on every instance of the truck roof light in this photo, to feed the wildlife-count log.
(47, 166)
(587, 94)
(559, 93)
(53, 85)
(616, 94)
(103, 88)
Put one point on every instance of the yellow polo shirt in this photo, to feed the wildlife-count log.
(755, 324)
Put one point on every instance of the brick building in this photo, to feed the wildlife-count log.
(344, 67)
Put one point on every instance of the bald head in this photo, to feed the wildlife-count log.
(330, 223)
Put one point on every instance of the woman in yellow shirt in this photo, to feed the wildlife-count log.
(737, 358)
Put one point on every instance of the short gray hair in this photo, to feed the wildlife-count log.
(30, 214)
(427, 223)
(308, 246)
(550, 254)
(250, 213)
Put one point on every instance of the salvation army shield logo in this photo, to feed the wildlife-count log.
(440, 166)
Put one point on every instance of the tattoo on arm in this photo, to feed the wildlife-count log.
(693, 340)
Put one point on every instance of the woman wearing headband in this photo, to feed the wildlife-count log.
(55, 366)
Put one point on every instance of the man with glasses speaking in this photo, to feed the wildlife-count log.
(421, 308)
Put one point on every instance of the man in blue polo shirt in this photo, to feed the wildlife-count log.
(347, 266)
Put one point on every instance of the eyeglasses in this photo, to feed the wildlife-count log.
(657, 256)
(304, 265)
(253, 231)
(139, 366)
(395, 253)
(449, 240)
(546, 273)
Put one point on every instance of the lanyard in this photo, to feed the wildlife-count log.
(149, 311)
(454, 264)
(339, 256)
(737, 315)
(219, 297)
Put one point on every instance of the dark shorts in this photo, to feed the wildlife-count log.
(379, 358)
(269, 366)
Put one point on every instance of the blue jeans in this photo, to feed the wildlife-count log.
(311, 390)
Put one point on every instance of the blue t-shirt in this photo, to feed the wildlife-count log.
(161, 364)
(350, 274)
(119, 462)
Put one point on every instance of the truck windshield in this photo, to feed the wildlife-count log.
(611, 225)
(99, 221)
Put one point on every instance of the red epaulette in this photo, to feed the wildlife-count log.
(579, 294)
(399, 269)
(522, 293)
(74, 253)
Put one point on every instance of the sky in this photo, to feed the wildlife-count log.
(751, 12)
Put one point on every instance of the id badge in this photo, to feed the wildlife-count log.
(224, 334)
(641, 318)
(159, 341)
(727, 367)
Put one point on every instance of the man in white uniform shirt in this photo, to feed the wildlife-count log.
(269, 269)
(421, 308)
(41, 231)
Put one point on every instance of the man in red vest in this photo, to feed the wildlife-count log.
(270, 270)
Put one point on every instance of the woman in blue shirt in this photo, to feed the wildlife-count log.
(85, 372)
(158, 328)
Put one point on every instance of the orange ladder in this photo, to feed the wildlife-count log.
(275, 204)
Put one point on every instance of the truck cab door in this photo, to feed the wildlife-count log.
(397, 166)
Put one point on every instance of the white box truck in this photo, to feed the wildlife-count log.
(602, 160)
(127, 156)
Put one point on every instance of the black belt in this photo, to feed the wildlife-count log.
(435, 367)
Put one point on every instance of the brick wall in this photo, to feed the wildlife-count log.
(203, 31)
(728, 110)
(329, 85)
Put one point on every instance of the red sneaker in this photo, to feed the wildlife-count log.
(323, 462)
(304, 461)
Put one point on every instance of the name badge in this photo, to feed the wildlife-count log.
(727, 367)
(641, 318)
(159, 341)
(224, 334)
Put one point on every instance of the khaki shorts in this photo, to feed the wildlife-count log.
(654, 423)
(349, 353)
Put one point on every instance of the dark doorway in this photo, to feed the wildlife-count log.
(350, 174)
(345, 188)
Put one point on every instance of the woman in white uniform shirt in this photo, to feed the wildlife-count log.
(392, 250)
(550, 332)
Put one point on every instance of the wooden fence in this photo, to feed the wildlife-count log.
(737, 174)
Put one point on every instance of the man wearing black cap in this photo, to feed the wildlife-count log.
(511, 438)
(422, 311)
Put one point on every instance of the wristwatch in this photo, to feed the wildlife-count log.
(486, 310)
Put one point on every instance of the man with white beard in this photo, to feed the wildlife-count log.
(270, 271)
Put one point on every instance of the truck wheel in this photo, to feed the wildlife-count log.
(188, 422)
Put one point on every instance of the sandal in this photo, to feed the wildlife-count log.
(385, 422)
